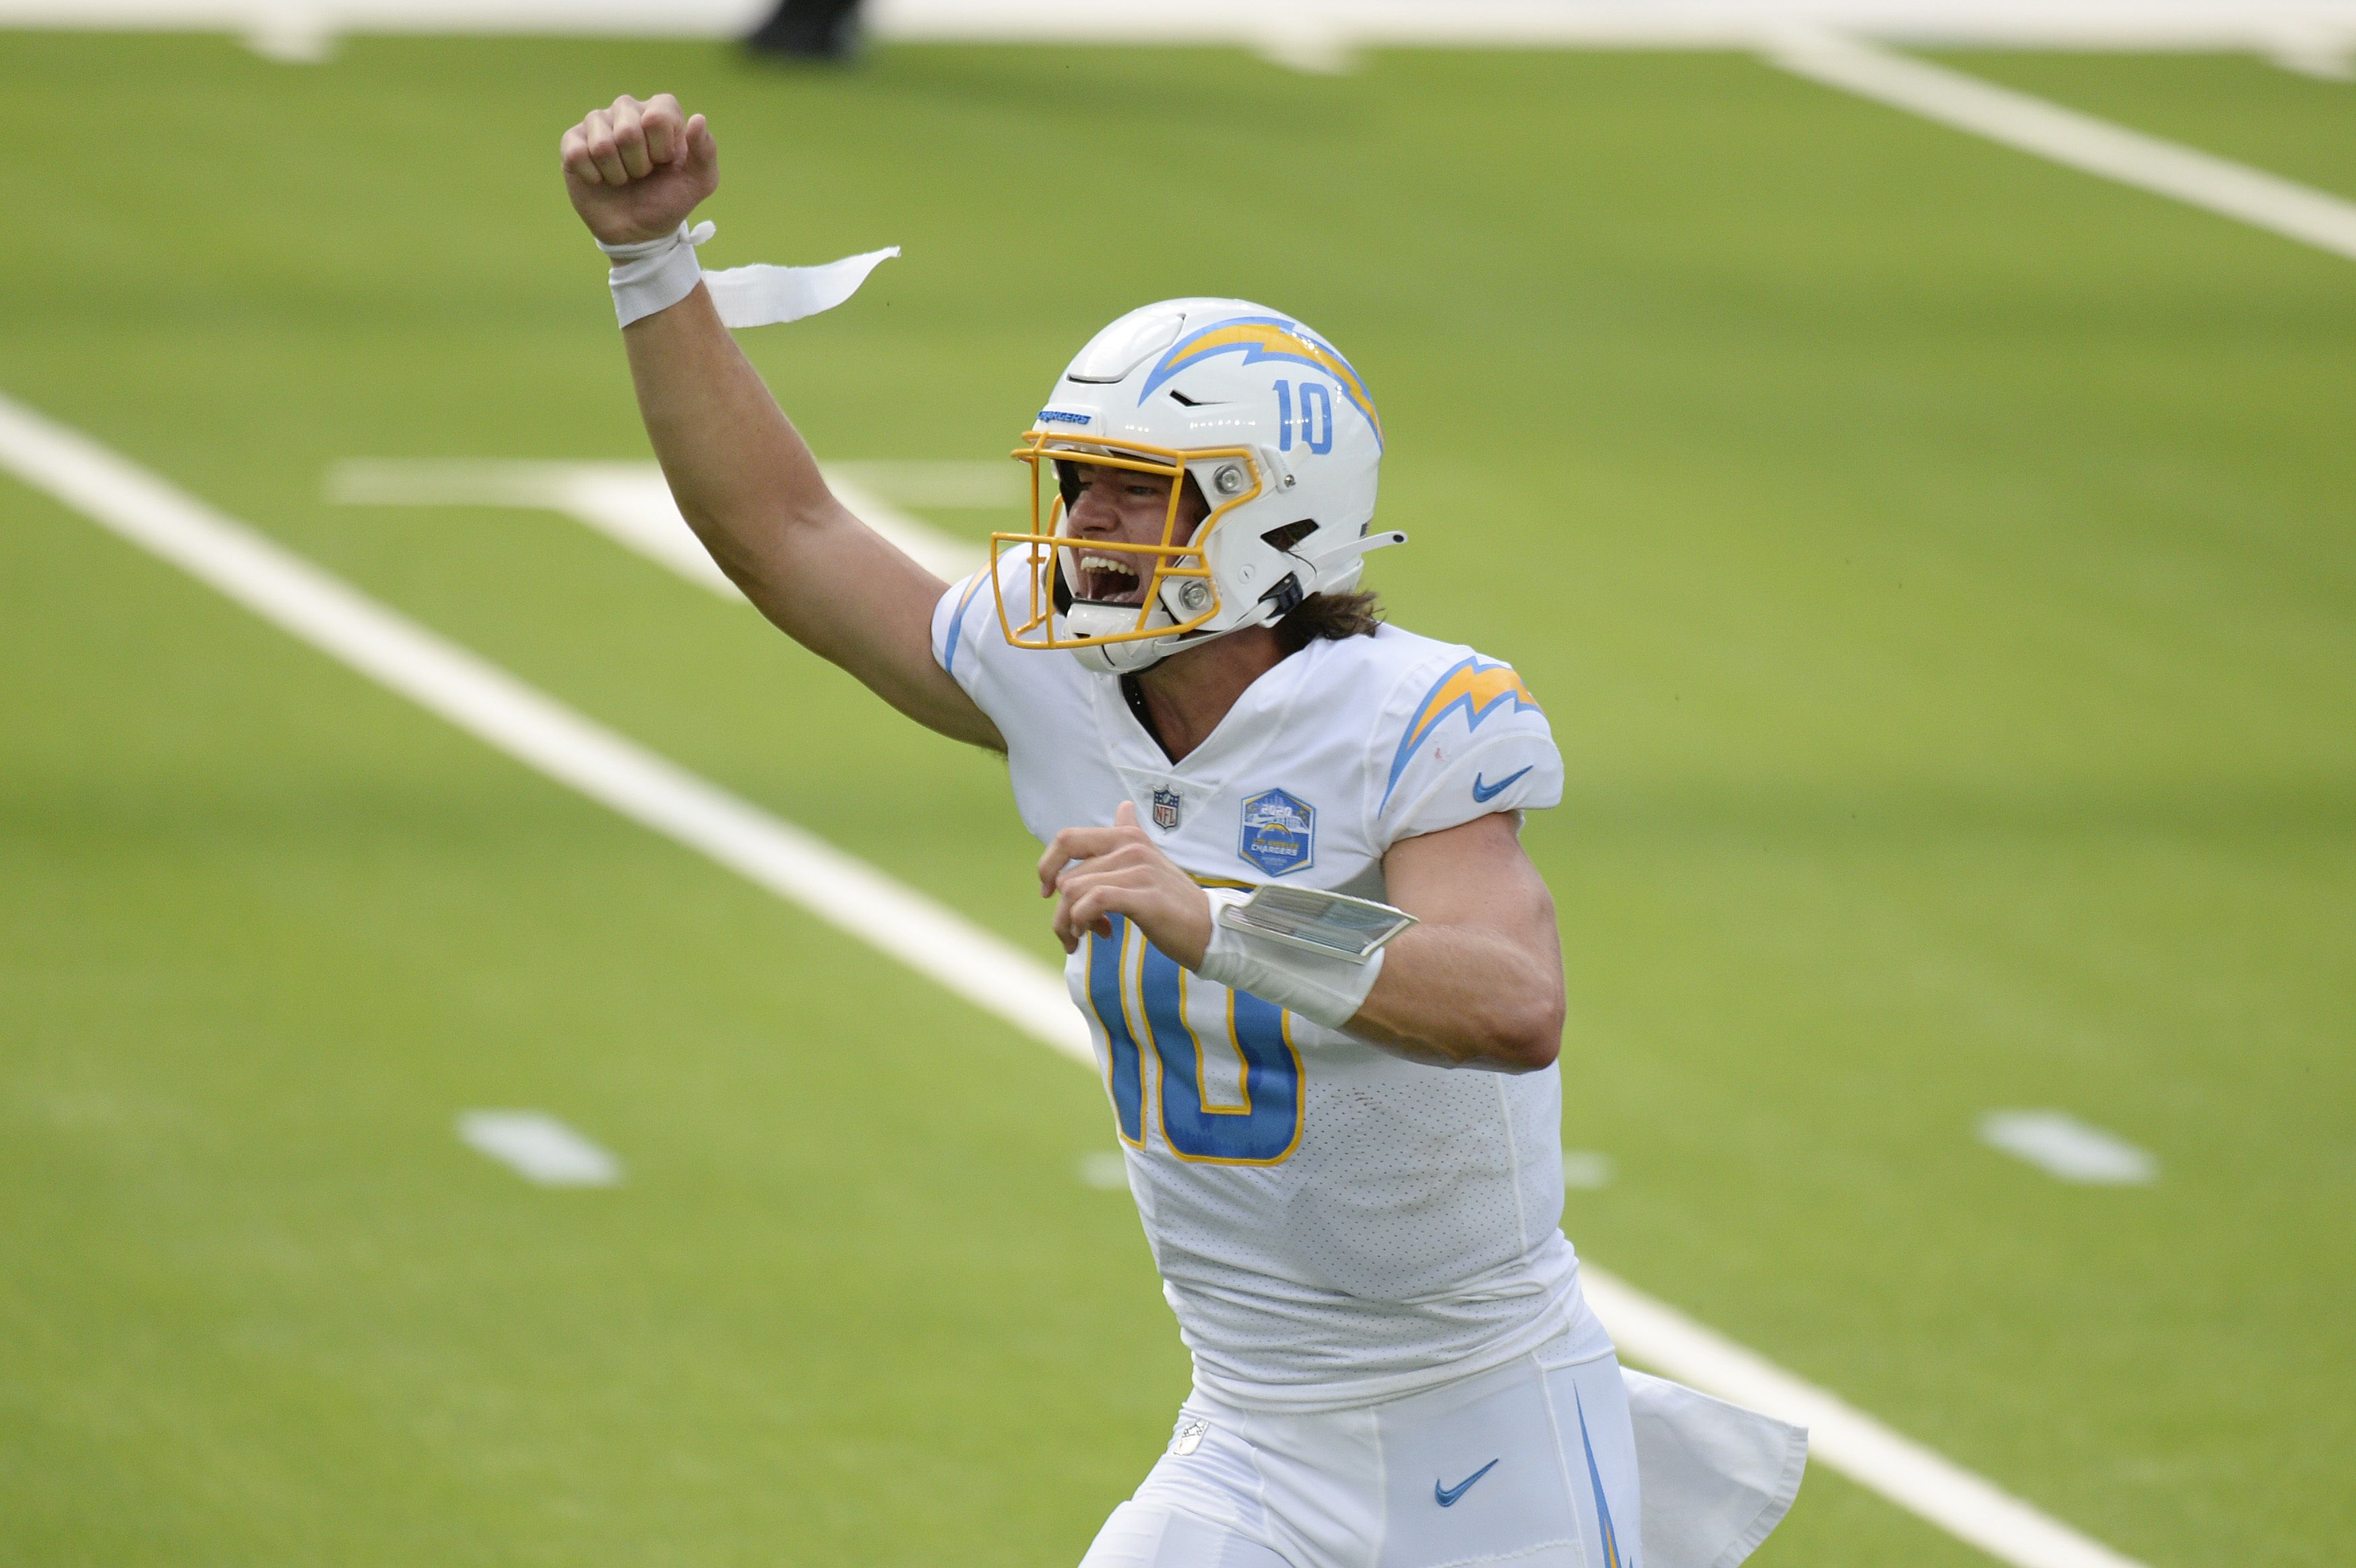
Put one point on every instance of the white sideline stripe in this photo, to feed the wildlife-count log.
(1320, 29)
(1819, 39)
(1839, 1434)
(2079, 140)
(537, 730)
(2060, 1144)
(631, 504)
(539, 1148)
(513, 717)
(2312, 36)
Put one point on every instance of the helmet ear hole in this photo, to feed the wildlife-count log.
(1291, 534)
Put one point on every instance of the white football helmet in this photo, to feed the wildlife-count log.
(1278, 433)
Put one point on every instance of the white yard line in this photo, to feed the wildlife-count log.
(1965, 1506)
(630, 503)
(542, 733)
(539, 1148)
(2081, 141)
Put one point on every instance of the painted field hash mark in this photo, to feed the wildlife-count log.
(1587, 1169)
(2060, 1144)
(1104, 1170)
(539, 1148)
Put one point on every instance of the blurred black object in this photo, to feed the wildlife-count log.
(809, 29)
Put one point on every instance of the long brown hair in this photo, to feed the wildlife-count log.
(1332, 616)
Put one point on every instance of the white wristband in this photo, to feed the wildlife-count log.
(1327, 991)
(655, 274)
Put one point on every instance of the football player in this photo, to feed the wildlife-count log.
(1324, 980)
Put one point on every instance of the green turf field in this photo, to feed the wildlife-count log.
(1936, 564)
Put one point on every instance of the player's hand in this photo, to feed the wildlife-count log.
(1105, 871)
(637, 170)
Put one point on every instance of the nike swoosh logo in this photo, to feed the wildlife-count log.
(1487, 791)
(1446, 1495)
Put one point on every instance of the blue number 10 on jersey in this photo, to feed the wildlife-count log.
(1264, 1129)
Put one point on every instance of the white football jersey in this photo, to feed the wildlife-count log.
(1334, 1225)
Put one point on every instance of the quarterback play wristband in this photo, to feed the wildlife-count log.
(651, 275)
(1317, 955)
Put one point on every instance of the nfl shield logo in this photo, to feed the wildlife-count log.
(1165, 810)
(1280, 832)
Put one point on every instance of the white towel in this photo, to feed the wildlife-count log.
(1715, 1477)
(760, 294)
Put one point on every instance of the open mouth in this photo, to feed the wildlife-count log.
(1107, 580)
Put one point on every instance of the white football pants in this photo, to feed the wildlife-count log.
(1533, 1463)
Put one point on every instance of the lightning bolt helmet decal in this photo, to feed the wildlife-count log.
(1258, 338)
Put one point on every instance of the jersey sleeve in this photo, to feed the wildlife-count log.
(957, 648)
(1465, 739)
(1039, 699)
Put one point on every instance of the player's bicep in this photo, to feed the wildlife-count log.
(1479, 980)
(847, 594)
(1474, 876)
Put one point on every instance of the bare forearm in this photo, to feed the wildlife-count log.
(738, 469)
(747, 484)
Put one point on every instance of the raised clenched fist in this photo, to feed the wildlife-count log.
(637, 170)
